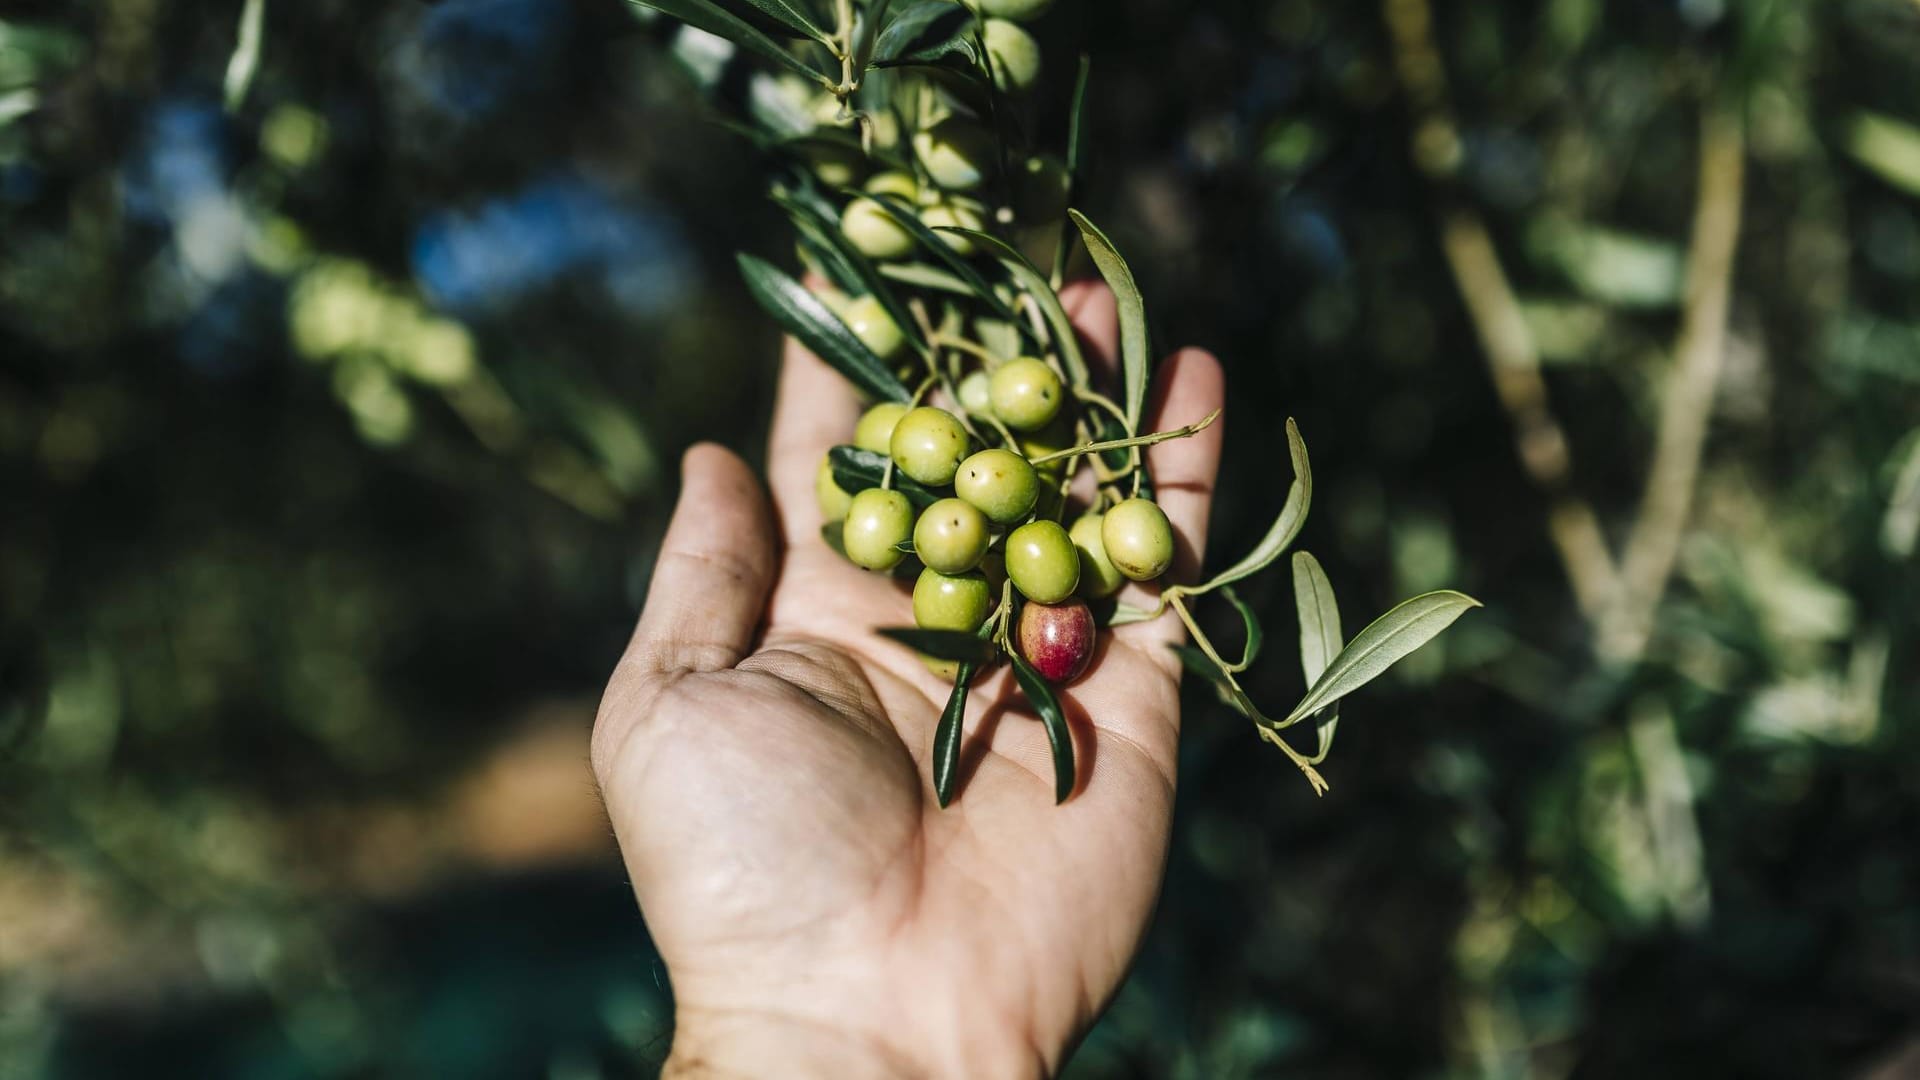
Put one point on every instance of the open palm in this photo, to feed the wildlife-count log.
(764, 757)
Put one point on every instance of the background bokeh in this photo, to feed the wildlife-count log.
(338, 427)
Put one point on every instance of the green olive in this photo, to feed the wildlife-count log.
(956, 154)
(833, 499)
(896, 183)
(1026, 394)
(874, 432)
(950, 536)
(837, 165)
(1022, 10)
(1099, 578)
(1015, 55)
(1138, 539)
(953, 215)
(873, 232)
(951, 601)
(973, 393)
(869, 321)
(928, 444)
(1042, 562)
(878, 521)
(999, 483)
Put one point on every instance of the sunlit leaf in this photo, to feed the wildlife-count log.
(856, 470)
(1382, 644)
(863, 276)
(1135, 344)
(807, 318)
(1037, 286)
(946, 738)
(907, 217)
(955, 645)
(708, 16)
(793, 18)
(1293, 515)
(1320, 635)
(928, 32)
(1059, 736)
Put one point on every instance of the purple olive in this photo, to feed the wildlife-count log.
(1057, 639)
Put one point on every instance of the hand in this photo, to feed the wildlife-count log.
(764, 757)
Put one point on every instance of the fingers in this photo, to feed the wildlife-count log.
(716, 566)
(1095, 314)
(1189, 386)
(814, 409)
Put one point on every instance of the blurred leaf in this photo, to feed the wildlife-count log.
(1888, 147)
(1320, 637)
(710, 17)
(908, 218)
(946, 737)
(863, 274)
(793, 18)
(1610, 265)
(245, 61)
(1384, 642)
(1135, 344)
(804, 316)
(1059, 736)
(923, 276)
(933, 32)
(856, 470)
(942, 644)
(1293, 515)
(1035, 283)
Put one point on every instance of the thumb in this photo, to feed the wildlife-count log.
(716, 565)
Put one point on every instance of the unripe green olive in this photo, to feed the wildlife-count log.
(928, 444)
(1026, 394)
(896, 183)
(1042, 562)
(833, 499)
(1138, 539)
(1099, 578)
(957, 154)
(1016, 56)
(878, 521)
(867, 317)
(1022, 10)
(974, 396)
(953, 215)
(873, 232)
(874, 432)
(999, 483)
(836, 165)
(886, 129)
(950, 536)
(951, 601)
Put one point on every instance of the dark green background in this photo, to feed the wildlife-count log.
(300, 637)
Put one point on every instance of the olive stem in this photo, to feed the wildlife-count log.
(1268, 728)
(1137, 440)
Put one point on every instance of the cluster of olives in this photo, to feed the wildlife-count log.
(999, 525)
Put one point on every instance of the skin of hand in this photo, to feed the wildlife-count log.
(764, 759)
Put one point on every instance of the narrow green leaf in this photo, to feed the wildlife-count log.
(908, 218)
(1135, 344)
(793, 18)
(1059, 736)
(1285, 528)
(1251, 621)
(714, 19)
(1076, 163)
(856, 470)
(942, 644)
(1320, 636)
(1383, 643)
(803, 315)
(929, 32)
(923, 276)
(1035, 283)
(245, 61)
(865, 275)
(946, 738)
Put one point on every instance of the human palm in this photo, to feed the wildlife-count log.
(764, 757)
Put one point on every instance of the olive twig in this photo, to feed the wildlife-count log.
(1138, 440)
(1268, 728)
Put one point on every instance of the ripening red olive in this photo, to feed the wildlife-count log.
(1057, 639)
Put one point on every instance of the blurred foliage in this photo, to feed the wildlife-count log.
(336, 431)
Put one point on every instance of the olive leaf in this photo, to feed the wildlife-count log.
(714, 19)
(1076, 162)
(923, 276)
(936, 32)
(865, 277)
(1029, 278)
(908, 217)
(1384, 642)
(1320, 639)
(941, 644)
(856, 470)
(1059, 736)
(793, 18)
(1135, 345)
(1255, 636)
(946, 738)
(803, 315)
(1293, 515)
